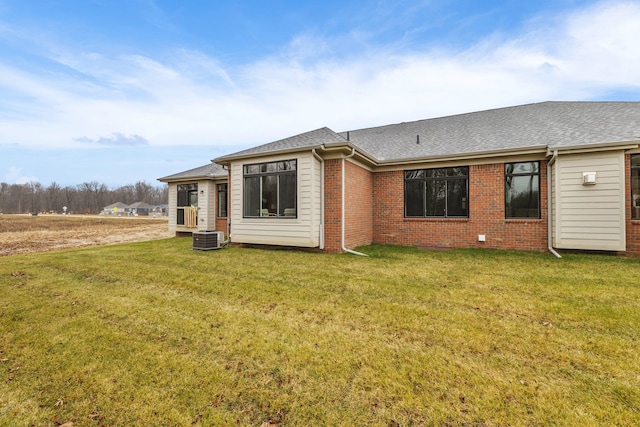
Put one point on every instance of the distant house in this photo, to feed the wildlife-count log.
(114, 209)
(546, 176)
(134, 209)
(160, 210)
(138, 209)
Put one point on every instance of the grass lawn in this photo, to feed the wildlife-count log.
(154, 333)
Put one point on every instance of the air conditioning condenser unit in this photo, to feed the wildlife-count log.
(207, 240)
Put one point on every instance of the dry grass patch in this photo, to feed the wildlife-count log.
(21, 234)
(154, 333)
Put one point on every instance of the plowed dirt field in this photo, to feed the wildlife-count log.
(27, 234)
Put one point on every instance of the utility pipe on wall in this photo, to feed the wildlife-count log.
(549, 206)
(321, 160)
(225, 167)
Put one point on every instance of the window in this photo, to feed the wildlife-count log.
(522, 190)
(187, 205)
(222, 200)
(270, 189)
(439, 192)
(635, 186)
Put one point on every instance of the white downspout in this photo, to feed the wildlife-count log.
(321, 160)
(353, 152)
(549, 206)
(226, 167)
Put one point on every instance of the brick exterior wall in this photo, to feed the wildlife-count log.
(221, 225)
(333, 205)
(632, 226)
(359, 197)
(486, 215)
(375, 213)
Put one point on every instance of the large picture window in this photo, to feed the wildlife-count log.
(270, 189)
(635, 186)
(522, 190)
(187, 209)
(442, 192)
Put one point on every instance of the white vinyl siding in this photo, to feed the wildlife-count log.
(172, 205)
(206, 206)
(589, 217)
(302, 231)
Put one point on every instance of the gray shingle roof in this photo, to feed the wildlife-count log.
(546, 124)
(532, 126)
(314, 138)
(542, 125)
(211, 170)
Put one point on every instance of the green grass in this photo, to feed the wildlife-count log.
(157, 334)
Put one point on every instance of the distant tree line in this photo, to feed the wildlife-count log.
(86, 198)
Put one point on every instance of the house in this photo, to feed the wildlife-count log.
(134, 209)
(544, 176)
(160, 210)
(198, 200)
(138, 209)
(114, 209)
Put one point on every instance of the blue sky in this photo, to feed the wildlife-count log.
(119, 91)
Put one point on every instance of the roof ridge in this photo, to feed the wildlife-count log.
(483, 111)
(449, 116)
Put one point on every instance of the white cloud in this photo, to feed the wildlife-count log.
(607, 50)
(194, 99)
(14, 175)
(116, 139)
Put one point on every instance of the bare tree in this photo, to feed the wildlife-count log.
(88, 197)
(4, 196)
(53, 198)
(143, 190)
(34, 191)
(93, 194)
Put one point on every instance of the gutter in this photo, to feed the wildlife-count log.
(347, 147)
(226, 160)
(549, 206)
(321, 230)
(590, 148)
(504, 152)
(381, 162)
(353, 152)
(363, 154)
